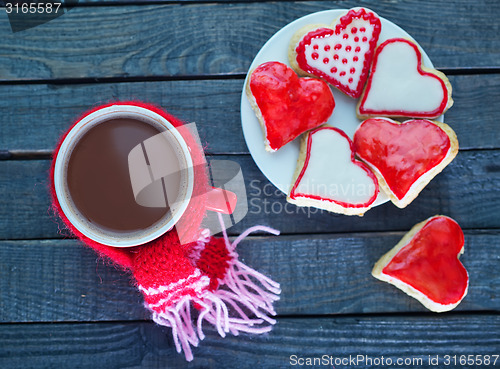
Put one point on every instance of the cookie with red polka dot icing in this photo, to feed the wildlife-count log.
(341, 54)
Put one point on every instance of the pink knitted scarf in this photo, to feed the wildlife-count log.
(204, 277)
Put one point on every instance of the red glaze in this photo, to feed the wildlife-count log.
(429, 262)
(289, 105)
(401, 113)
(369, 173)
(338, 33)
(401, 152)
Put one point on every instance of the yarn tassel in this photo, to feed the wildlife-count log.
(242, 302)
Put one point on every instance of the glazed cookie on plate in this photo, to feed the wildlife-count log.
(401, 86)
(341, 53)
(328, 176)
(405, 156)
(425, 265)
(286, 105)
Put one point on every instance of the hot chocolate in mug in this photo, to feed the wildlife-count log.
(124, 175)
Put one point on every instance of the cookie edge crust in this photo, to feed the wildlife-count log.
(258, 113)
(294, 42)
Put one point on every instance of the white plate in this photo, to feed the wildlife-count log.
(279, 166)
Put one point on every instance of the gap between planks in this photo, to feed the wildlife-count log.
(199, 77)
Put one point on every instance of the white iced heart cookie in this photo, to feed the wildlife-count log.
(340, 54)
(400, 86)
(329, 177)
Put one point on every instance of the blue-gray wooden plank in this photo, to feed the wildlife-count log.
(143, 345)
(61, 280)
(466, 190)
(35, 116)
(220, 38)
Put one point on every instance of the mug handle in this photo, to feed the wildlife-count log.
(221, 201)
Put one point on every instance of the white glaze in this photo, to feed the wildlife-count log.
(331, 174)
(397, 86)
(333, 40)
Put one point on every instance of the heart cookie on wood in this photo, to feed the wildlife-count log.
(329, 177)
(286, 105)
(400, 86)
(341, 54)
(405, 156)
(425, 265)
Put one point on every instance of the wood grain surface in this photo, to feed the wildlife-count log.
(63, 307)
(25, 207)
(222, 39)
(143, 345)
(35, 116)
(324, 275)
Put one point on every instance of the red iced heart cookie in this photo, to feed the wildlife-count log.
(329, 177)
(400, 86)
(425, 264)
(405, 156)
(285, 104)
(340, 54)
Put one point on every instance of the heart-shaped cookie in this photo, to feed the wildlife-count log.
(425, 264)
(285, 104)
(340, 54)
(405, 156)
(329, 177)
(400, 86)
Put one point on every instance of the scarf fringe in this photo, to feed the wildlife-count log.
(242, 288)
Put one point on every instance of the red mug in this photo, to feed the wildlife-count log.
(143, 177)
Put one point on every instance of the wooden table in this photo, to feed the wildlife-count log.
(62, 308)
